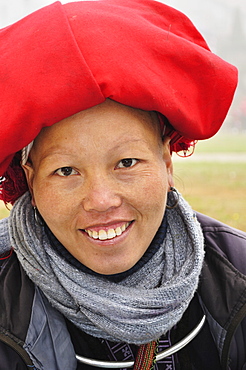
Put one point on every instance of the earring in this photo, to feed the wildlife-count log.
(175, 197)
(37, 217)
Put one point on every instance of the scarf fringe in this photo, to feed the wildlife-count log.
(146, 356)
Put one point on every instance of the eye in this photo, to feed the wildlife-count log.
(127, 162)
(66, 171)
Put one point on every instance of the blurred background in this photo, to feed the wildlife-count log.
(213, 180)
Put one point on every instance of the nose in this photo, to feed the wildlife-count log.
(101, 194)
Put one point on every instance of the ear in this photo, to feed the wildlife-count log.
(29, 172)
(168, 160)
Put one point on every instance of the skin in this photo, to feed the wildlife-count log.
(80, 179)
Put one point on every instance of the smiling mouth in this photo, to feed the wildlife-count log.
(108, 234)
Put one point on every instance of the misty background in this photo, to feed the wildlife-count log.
(221, 22)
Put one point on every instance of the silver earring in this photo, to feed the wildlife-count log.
(37, 217)
(174, 195)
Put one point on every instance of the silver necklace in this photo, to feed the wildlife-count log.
(160, 356)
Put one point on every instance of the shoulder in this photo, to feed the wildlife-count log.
(228, 242)
(16, 301)
(222, 288)
(210, 224)
(16, 294)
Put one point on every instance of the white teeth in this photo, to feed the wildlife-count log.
(118, 231)
(94, 235)
(109, 234)
(102, 235)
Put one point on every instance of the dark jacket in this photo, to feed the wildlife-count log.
(35, 335)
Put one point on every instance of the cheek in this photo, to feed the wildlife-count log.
(151, 191)
(53, 204)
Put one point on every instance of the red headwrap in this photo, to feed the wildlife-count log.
(66, 58)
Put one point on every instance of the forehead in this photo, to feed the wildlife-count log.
(109, 119)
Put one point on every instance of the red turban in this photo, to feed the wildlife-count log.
(66, 58)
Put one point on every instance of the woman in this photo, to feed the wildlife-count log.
(103, 262)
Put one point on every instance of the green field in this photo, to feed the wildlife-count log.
(3, 211)
(223, 143)
(214, 188)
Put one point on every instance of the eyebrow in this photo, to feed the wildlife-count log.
(61, 152)
(126, 142)
(55, 153)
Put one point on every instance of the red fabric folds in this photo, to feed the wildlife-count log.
(66, 58)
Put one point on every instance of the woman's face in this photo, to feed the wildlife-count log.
(100, 179)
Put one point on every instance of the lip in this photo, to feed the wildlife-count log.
(108, 226)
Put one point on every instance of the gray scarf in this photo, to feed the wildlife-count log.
(137, 310)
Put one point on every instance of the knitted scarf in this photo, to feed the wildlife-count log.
(137, 310)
